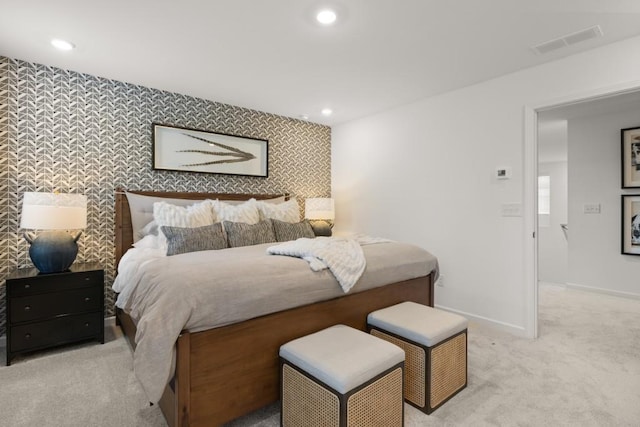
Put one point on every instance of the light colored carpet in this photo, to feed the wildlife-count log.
(584, 370)
(83, 385)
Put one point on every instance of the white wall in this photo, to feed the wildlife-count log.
(423, 173)
(594, 177)
(553, 248)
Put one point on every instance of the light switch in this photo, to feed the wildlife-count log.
(512, 209)
(592, 208)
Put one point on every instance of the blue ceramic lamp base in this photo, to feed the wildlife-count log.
(53, 251)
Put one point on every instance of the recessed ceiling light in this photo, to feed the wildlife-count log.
(62, 44)
(326, 17)
(327, 111)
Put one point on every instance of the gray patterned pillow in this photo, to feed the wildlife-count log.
(286, 231)
(181, 240)
(243, 234)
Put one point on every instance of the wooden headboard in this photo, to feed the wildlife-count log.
(124, 229)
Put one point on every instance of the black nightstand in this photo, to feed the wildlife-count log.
(46, 310)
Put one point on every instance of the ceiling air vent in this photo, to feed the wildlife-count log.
(568, 39)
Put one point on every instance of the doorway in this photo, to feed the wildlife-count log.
(553, 197)
(571, 108)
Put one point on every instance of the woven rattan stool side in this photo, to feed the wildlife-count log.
(414, 368)
(448, 369)
(308, 402)
(433, 375)
(379, 403)
(305, 402)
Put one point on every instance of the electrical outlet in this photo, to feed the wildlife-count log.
(440, 281)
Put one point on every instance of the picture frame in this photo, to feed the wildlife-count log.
(630, 224)
(195, 150)
(630, 154)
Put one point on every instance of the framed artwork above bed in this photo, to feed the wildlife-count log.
(194, 150)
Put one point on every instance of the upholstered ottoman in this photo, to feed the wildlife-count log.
(435, 345)
(341, 376)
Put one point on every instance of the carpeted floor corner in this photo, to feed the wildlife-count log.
(83, 385)
(584, 370)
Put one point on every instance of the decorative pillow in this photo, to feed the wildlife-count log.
(181, 240)
(275, 200)
(141, 208)
(149, 229)
(196, 215)
(288, 211)
(149, 242)
(286, 231)
(246, 212)
(242, 234)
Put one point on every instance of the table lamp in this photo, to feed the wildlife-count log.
(320, 212)
(53, 250)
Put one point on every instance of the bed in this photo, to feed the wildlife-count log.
(229, 371)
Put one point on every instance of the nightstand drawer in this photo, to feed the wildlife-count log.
(58, 331)
(53, 283)
(41, 306)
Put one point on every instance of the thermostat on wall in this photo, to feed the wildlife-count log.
(503, 173)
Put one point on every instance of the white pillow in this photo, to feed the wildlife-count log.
(196, 215)
(246, 212)
(148, 242)
(288, 211)
(151, 228)
(277, 200)
(141, 208)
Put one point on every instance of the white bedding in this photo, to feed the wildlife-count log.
(343, 257)
(207, 289)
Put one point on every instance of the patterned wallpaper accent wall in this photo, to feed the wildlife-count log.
(73, 132)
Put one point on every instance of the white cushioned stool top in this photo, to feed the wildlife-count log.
(416, 322)
(342, 357)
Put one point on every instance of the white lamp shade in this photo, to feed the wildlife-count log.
(319, 208)
(54, 211)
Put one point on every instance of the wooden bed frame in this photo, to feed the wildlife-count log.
(226, 372)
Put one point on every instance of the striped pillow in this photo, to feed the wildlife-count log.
(242, 234)
(181, 240)
(286, 231)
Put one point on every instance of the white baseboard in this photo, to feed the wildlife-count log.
(110, 321)
(496, 324)
(3, 341)
(629, 295)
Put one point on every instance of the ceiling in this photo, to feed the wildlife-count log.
(272, 56)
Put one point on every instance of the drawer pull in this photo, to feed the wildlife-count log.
(27, 336)
(86, 324)
(87, 278)
(27, 307)
(27, 286)
(87, 299)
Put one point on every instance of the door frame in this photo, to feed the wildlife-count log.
(530, 183)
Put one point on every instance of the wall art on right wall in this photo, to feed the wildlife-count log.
(630, 157)
(630, 224)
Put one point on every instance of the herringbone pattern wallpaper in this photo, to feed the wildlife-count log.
(72, 132)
